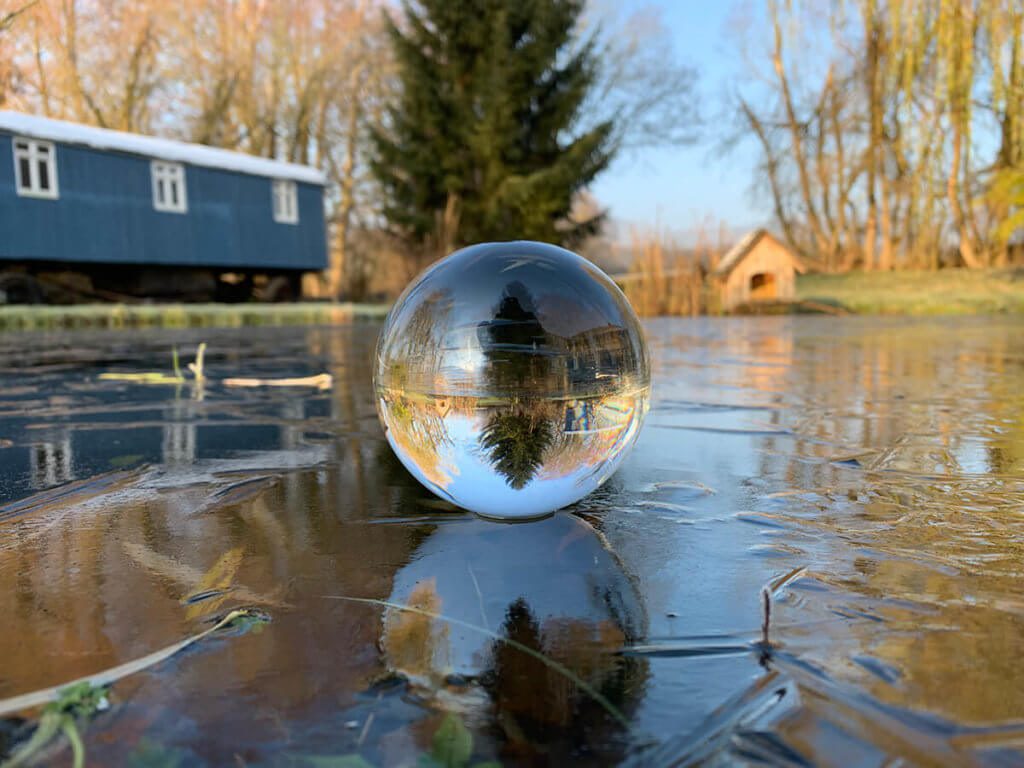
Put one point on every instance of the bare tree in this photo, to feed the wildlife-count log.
(878, 162)
(94, 61)
(644, 87)
(294, 80)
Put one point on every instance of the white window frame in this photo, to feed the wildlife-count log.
(37, 152)
(284, 196)
(167, 177)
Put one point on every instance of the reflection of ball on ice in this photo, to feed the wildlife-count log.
(512, 378)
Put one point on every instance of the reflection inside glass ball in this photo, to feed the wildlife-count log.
(511, 378)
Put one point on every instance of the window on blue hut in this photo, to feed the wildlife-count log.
(169, 194)
(35, 166)
(286, 201)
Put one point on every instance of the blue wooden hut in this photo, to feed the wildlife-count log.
(148, 216)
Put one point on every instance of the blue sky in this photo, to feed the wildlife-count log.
(676, 188)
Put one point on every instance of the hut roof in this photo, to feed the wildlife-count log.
(748, 242)
(150, 146)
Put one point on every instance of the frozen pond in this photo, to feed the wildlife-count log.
(866, 474)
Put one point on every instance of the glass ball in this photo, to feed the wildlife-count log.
(512, 378)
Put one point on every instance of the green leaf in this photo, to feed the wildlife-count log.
(453, 743)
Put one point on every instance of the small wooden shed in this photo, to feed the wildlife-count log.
(758, 268)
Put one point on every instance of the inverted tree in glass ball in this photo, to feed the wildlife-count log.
(512, 378)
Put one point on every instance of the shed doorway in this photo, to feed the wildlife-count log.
(762, 286)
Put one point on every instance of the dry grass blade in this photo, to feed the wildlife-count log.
(150, 377)
(561, 669)
(321, 381)
(198, 368)
(112, 675)
(781, 582)
(159, 377)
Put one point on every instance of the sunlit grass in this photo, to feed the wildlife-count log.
(945, 292)
(117, 316)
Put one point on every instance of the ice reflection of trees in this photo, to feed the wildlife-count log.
(903, 401)
(913, 437)
(578, 615)
(95, 574)
(544, 705)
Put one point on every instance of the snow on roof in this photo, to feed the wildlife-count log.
(151, 146)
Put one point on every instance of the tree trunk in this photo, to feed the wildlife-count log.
(771, 167)
(967, 251)
(346, 189)
(872, 70)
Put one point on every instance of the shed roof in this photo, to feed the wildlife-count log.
(747, 243)
(150, 146)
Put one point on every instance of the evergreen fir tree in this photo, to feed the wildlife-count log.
(491, 94)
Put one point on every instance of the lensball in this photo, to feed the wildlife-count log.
(512, 378)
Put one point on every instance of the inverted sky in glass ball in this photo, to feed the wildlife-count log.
(512, 378)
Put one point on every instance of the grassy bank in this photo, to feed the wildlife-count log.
(109, 316)
(946, 292)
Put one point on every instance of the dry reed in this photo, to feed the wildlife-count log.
(664, 280)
